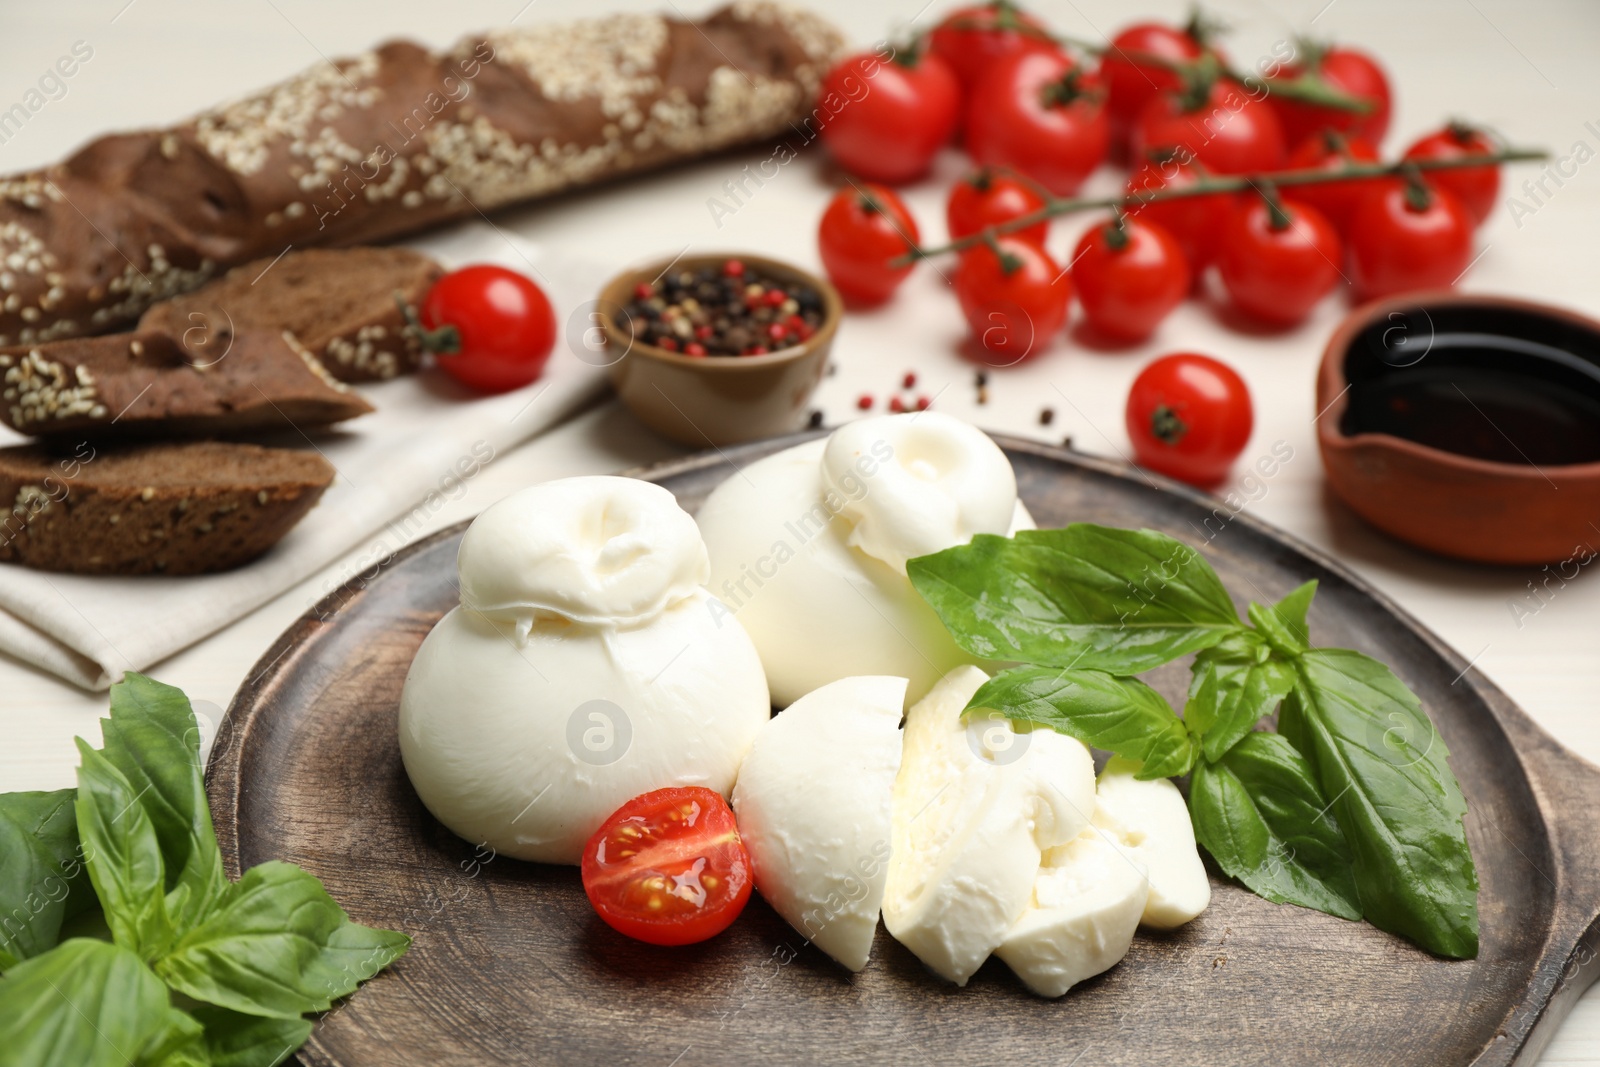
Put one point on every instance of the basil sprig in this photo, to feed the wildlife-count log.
(1351, 809)
(178, 967)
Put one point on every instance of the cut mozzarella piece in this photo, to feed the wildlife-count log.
(976, 803)
(813, 802)
(1150, 822)
(1087, 901)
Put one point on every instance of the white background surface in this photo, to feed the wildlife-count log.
(1527, 68)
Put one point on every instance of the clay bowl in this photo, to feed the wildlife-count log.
(1520, 481)
(717, 400)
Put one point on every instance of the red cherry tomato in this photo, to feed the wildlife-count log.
(973, 39)
(1405, 238)
(668, 867)
(1015, 302)
(1350, 71)
(1194, 222)
(1230, 133)
(1475, 187)
(1276, 267)
(1132, 84)
(1129, 278)
(894, 117)
(862, 230)
(1189, 416)
(1038, 114)
(1332, 151)
(987, 198)
(503, 327)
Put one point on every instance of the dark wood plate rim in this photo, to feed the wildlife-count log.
(1565, 786)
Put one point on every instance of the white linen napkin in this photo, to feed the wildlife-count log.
(394, 467)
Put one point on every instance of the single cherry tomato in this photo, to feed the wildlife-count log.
(1475, 187)
(893, 115)
(988, 198)
(862, 230)
(1130, 83)
(1037, 113)
(668, 867)
(1189, 416)
(1231, 133)
(490, 329)
(1276, 263)
(1015, 302)
(1332, 151)
(1408, 236)
(1129, 275)
(1195, 222)
(1350, 71)
(973, 39)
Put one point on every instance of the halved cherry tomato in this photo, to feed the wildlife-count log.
(668, 867)
(895, 114)
(1276, 265)
(1189, 416)
(1131, 83)
(1333, 151)
(973, 39)
(1475, 187)
(1129, 277)
(1408, 236)
(1350, 71)
(1230, 131)
(1038, 114)
(988, 198)
(1195, 222)
(489, 328)
(1015, 302)
(861, 232)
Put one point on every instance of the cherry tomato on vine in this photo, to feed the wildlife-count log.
(1015, 301)
(1350, 71)
(862, 230)
(973, 39)
(668, 867)
(1189, 416)
(1039, 114)
(988, 198)
(1129, 276)
(1408, 236)
(1130, 83)
(895, 114)
(1333, 151)
(1276, 264)
(1475, 187)
(1194, 222)
(489, 328)
(1230, 132)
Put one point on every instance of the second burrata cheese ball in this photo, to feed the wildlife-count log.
(584, 666)
(809, 547)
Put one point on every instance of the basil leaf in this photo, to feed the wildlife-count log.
(153, 739)
(123, 856)
(1382, 763)
(1095, 597)
(1122, 715)
(1292, 610)
(1263, 818)
(1278, 636)
(277, 945)
(86, 1003)
(42, 880)
(235, 1040)
(1235, 684)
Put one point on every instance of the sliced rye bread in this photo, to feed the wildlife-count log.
(146, 385)
(339, 303)
(189, 508)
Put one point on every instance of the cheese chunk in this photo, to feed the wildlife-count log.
(1150, 822)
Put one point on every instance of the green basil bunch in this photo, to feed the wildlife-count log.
(1349, 808)
(123, 944)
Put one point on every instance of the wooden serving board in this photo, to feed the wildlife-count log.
(510, 966)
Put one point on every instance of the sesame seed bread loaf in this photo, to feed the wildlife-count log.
(389, 142)
(338, 303)
(146, 384)
(188, 508)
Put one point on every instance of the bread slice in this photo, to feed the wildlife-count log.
(189, 508)
(339, 303)
(146, 384)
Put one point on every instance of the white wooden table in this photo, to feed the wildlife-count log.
(1526, 68)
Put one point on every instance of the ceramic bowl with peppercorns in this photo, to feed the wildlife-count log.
(718, 348)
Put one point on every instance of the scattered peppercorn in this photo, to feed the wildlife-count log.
(726, 310)
(923, 403)
(896, 405)
(910, 380)
(1047, 416)
(815, 421)
(864, 402)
